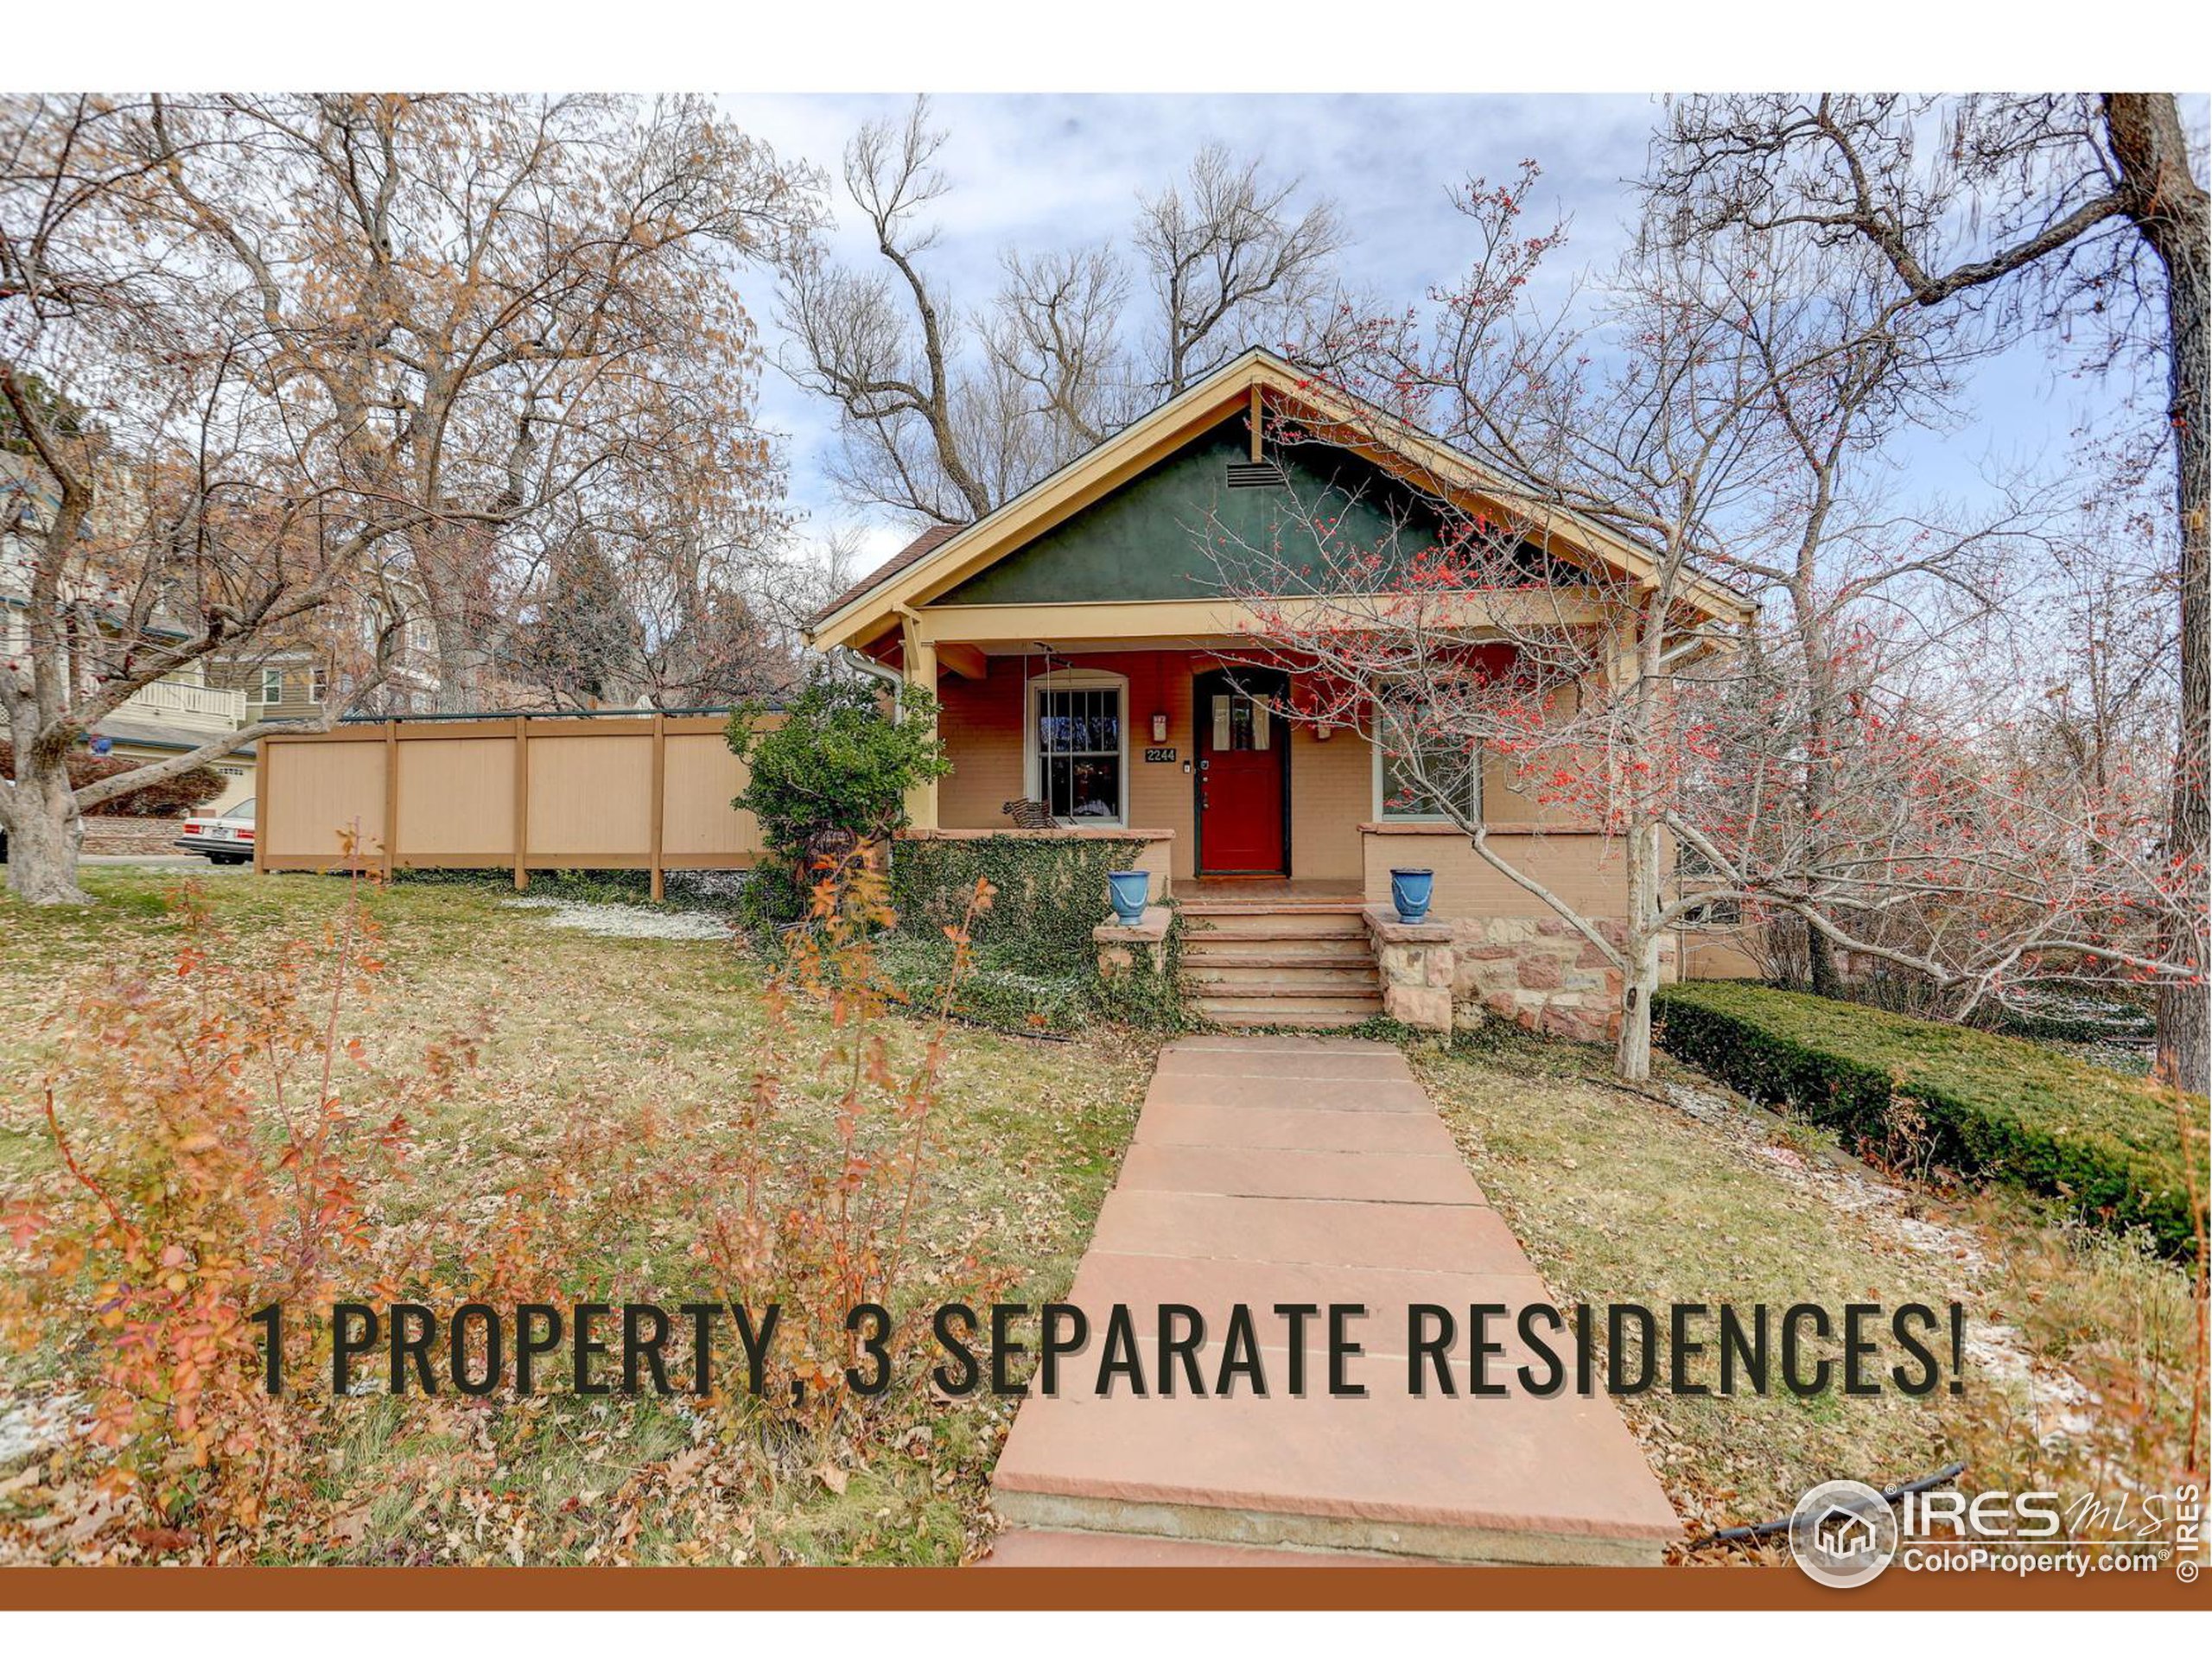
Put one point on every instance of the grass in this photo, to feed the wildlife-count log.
(1989, 1106)
(1619, 1196)
(629, 1035)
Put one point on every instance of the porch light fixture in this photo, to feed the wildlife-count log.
(1159, 728)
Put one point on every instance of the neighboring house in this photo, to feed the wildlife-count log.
(295, 677)
(1085, 657)
(175, 715)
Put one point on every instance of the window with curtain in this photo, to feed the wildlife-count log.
(1078, 739)
(1239, 722)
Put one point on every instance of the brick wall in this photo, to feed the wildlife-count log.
(131, 837)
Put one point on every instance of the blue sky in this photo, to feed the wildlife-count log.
(1042, 171)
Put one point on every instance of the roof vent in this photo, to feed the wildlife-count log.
(1255, 475)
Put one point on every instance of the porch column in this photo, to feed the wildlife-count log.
(920, 656)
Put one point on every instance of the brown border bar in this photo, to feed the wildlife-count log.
(1078, 1589)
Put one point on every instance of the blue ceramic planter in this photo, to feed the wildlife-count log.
(1129, 889)
(1409, 892)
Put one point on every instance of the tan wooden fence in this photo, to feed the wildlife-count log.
(590, 793)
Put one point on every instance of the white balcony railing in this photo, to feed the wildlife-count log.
(200, 708)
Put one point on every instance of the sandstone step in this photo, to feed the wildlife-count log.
(1344, 1009)
(1213, 904)
(1291, 978)
(1026, 1547)
(1305, 949)
(1254, 926)
(1294, 1022)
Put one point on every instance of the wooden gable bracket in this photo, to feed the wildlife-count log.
(967, 661)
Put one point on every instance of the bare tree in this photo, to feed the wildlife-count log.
(946, 411)
(885, 347)
(651, 600)
(1230, 262)
(179, 501)
(1688, 434)
(516, 294)
(1055, 329)
(2031, 211)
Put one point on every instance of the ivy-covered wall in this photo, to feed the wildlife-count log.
(1035, 963)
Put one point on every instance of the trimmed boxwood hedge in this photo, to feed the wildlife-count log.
(1996, 1107)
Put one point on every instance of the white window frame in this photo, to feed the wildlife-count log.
(1383, 815)
(261, 695)
(318, 683)
(1033, 765)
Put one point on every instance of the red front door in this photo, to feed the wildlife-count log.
(1242, 799)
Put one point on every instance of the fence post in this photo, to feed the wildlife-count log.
(391, 793)
(660, 798)
(522, 803)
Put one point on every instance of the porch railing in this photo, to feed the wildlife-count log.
(202, 707)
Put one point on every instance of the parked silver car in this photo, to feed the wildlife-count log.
(223, 838)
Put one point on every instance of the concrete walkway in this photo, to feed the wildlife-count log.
(1274, 1170)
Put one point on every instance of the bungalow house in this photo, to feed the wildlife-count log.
(1096, 678)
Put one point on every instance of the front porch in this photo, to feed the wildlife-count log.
(1182, 743)
(1270, 843)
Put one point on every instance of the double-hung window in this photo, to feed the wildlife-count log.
(271, 687)
(1078, 747)
(1421, 763)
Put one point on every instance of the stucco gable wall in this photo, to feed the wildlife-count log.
(1148, 540)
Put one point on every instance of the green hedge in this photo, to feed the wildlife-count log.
(1994, 1108)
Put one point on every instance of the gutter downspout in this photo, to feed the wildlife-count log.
(875, 671)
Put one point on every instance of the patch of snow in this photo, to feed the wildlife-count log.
(2058, 1400)
(33, 1426)
(625, 921)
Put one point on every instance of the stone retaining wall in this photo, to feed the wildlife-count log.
(1142, 948)
(1536, 971)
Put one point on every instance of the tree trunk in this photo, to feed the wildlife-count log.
(1640, 977)
(1820, 950)
(2172, 215)
(44, 833)
(462, 663)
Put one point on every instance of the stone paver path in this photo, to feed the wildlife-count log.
(1271, 1170)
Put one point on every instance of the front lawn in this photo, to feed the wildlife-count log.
(2080, 1344)
(611, 1070)
(627, 1058)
